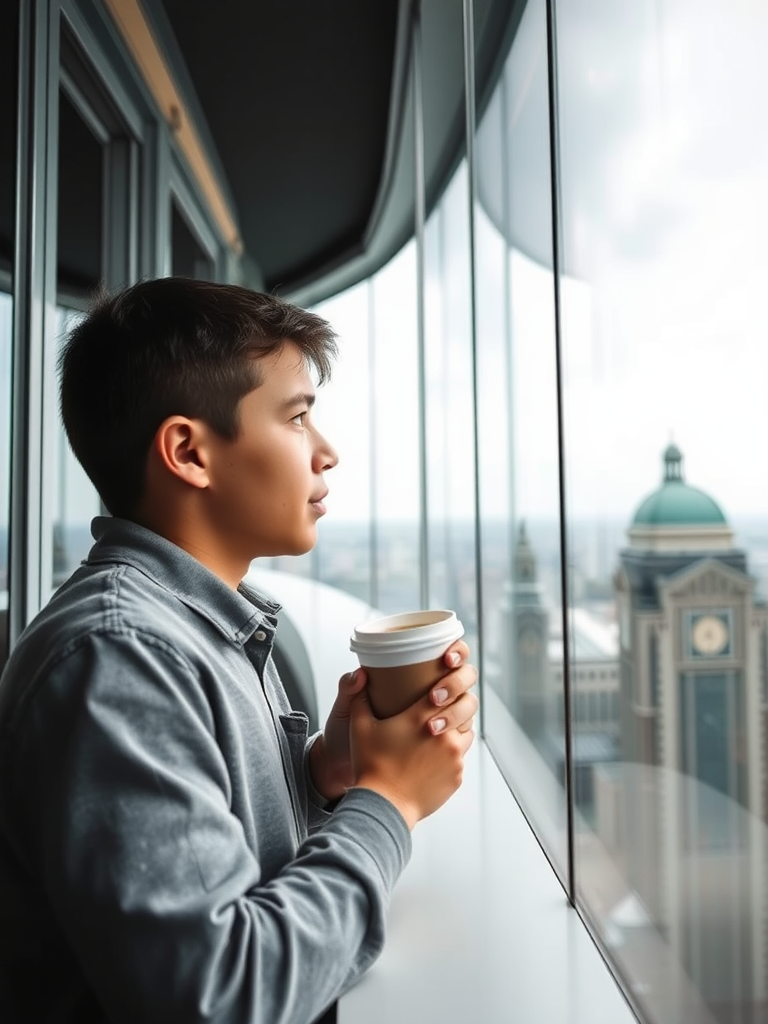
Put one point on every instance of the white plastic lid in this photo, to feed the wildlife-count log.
(406, 638)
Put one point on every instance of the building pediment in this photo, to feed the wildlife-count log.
(706, 579)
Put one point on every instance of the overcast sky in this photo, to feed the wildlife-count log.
(664, 159)
(664, 149)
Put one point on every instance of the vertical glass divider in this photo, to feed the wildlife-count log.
(419, 222)
(373, 535)
(469, 108)
(506, 200)
(554, 157)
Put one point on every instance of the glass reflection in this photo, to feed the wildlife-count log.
(519, 487)
(449, 407)
(665, 215)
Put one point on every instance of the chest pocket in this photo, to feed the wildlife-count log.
(295, 726)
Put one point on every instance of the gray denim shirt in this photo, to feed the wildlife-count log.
(163, 854)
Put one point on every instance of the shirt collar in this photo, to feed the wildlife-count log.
(237, 614)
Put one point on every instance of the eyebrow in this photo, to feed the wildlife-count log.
(301, 399)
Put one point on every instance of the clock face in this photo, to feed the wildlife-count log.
(709, 635)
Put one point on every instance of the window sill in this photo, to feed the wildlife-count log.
(480, 928)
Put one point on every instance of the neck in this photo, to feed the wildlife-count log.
(190, 531)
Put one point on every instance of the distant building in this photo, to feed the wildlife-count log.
(594, 673)
(531, 680)
(684, 814)
(525, 642)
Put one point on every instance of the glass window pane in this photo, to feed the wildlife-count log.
(80, 206)
(76, 500)
(664, 160)
(72, 499)
(517, 413)
(344, 416)
(188, 258)
(449, 400)
(396, 462)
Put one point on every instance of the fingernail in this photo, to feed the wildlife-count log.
(353, 677)
(454, 658)
(437, 724)
(440, 696)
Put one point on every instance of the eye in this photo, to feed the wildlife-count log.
(299, 419)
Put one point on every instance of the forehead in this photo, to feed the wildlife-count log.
(285, 370)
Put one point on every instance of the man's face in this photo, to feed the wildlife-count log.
(267, 485)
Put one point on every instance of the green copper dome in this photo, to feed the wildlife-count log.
(675, 503)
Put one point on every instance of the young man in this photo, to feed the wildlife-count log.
(173, 847)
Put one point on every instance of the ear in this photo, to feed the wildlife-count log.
(180, 445)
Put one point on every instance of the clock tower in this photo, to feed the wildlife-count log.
(526, 633)
(692, 722)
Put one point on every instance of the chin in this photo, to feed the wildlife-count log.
(301, 546)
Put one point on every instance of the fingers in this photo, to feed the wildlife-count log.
(467, 739)
(458, 715)
(453, 685)
(456, 654)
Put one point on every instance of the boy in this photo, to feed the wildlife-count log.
(173, 847)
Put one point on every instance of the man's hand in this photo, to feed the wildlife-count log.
(330, 757)
(406, 758)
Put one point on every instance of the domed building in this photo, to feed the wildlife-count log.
(693, 671)
(678, 517)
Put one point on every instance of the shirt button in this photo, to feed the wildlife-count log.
(260, 634)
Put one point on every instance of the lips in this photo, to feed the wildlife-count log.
(318, 503)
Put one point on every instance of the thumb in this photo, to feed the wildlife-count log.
(360, 706)
(352, 683)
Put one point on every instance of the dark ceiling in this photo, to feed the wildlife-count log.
(296, 95)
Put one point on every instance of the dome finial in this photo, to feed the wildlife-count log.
(673, 463)
(676, 504)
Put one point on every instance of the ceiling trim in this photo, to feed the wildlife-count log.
(406, 15)
(140, 40)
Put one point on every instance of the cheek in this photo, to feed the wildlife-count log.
(276, 480)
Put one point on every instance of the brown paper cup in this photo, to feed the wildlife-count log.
(403, 656)
(392, 690)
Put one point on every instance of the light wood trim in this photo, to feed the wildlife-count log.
(137, 34)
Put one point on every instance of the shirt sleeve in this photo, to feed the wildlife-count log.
(319, 808)
(148, 871)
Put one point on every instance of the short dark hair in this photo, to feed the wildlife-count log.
(172, 346)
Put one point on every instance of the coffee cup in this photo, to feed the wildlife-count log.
(403, 656)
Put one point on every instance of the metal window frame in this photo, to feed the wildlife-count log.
(94, 88)
(470, 101)
(115, 106)
(557, 264)
(420, 217)
(92, 85)
(34, 301)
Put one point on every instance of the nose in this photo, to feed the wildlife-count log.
(326, 456)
